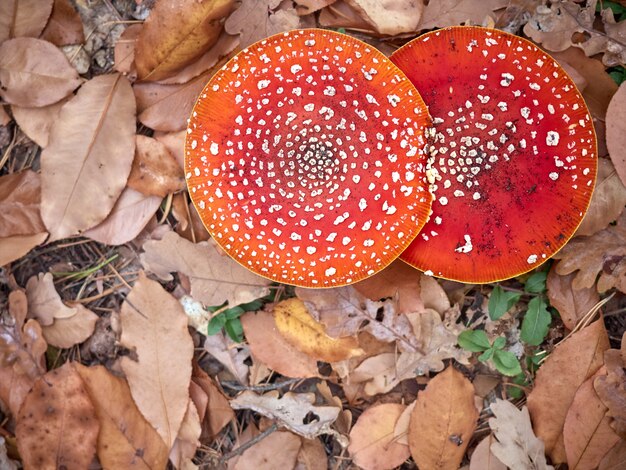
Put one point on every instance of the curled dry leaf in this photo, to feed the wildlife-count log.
(37, 122)
(278, 450)
(44, 302)
(609, 42)
(229, 355)
(80, 180)
(13, 248)
(516, 445)
(64, 27)
(34, 73)
(155, 326)
(19, 18)
(342, 15)
(443, 421)
(615, 139)
(390, 18)
(20, 195)
(126, 439)
(257, 19)
(218, 413)
(129, 216)
(482, 457)
(554, 26)
(452, 12)
(571, 303)
(67, 332)
(309, 336)
(177, 33)
(611, 390)
(272, 349)
(155, 172)
(574, 361)
(215, 278)
(295, 411)
(372, 444)
(306, 7)
(53, 431)
(602, 253)
(187, 440)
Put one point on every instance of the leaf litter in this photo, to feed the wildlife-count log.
(93, 203)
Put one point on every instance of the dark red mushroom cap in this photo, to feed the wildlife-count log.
(304, 158)
(513, 153)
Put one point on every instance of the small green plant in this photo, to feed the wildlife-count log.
(618, 74)
(501, 301)
(228, 319)
(505, 361)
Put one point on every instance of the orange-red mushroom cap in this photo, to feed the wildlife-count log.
(512, 153)
(304, 158)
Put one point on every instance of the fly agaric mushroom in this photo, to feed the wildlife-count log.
(304, 158)
(512, 153)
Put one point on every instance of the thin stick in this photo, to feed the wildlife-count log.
(243, 447)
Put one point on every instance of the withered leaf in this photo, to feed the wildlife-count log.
(278, 450)
(258, 19)
(482, 457)
(20, 195)
(155, 172)
(219, 413)
(80, 180)
(611, 390)
(13, 248)
(64, 27)
(571, 303)
(615, 139)
(34, 73)
(187, 440)
(452, 12)
(124, 53)
(19, 18)
(37, 122)
(230, 355)
(44, 302)
(391, 17)
(67, 332)
(554, 26)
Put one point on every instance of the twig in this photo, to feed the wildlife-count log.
(243, 447)
(259, 388)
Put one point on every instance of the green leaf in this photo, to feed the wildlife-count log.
(506, 363)
(499, 342)
(233, 313)
(536, 322)
(484, 357)
(515, 392)
(536, 283)
(234, 329)
(216, 324)
(474, 340)
(501, 302)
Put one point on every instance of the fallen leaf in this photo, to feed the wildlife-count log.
(44, 302)
(390, 18)
(452, 12)
(215, 278)
(553, 27)
(13, 248)
(155, 172)
(609, 42)
(176, 34)
(571, 303)
(37, 122)
(155, 326)
(80, 180)
(482, 457)
(54, 431)
(272, 349)
(586, 431)
(516, 446)
(312, 455)
(20, 18)
(603, 252)
(297, 326)
(126, 440)
(124, 52)
(295, 411)
(615, 141)
(372, 444)
(401, 428)
(306, 7)
(175, 143)
(278, 450)
(129, 216)
(64, 27)
(20, 195)
(67, 332)
(219, 412)
(229, 355)
(187, 441)
(611, 390)
(615, 459)
(575, 360)
(34, 73)
(443, 421)
(258, 19)
(5, 462)
(607, 202)
(341, 15)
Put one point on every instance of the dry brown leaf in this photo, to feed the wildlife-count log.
(13, 248)
(53, 430)
(155, 326)
(155, 171)
(607, 202)
(187, 440)
(401, 428)
(124, 52)
(126, 440)
(609, 42)
(342, 15)
(615, 459)
(295, 411)
(372, 445)
(452, 12)
(443, 421)
(218, 413)
(278, 450)
(20, 18)
(391, 18)
(37, 122)
(272, 349)
(129, 216)
(167, 107)
(312, 455)
(215, 278)
(229, 355)
(20, 195)
(309, 336)
(603, 252)
(586, 431)
(257, 19)
(615, 139)
(575, 360)
(34, 73)
(177, 33)
(554, 26)
(482, 457)
(175, 143)
(44, 302)
(80, 180)
(67, 332)
(611, 390)
(64, 27)
(516, 445)
(571, 303)
(306, 7)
